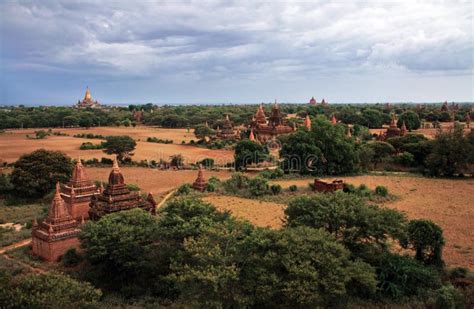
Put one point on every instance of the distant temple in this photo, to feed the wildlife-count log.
(312, 101)
(78, 193)
(53, 236)
(87, 101)
(266, 130)
(393, 130)
(227, 131)
(117, 197)
(200, 183)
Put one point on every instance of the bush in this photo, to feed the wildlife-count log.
(406, 159)
(381, 191)
(348, 188)
(448, 298)
(363, 191)
(89, 146)
(258, 186)
(427, 239)
(71, 258)
(207, 162)
(159, 140)
(133, 187)
(276, 189)
(106, 161)
(237, 182)
(184, 189)
(211, 187)
(293, 188)
(401, 276)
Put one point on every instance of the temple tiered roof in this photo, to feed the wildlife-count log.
(275, 126)
(77, 193)
(116, 197)
(227, 131)
(59, 224)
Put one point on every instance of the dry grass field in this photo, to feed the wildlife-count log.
(13, 143)
(428, 133)
(447, 202)
(153, 180)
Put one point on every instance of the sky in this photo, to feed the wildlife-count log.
(186, 52)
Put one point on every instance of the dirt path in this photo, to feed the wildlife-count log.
(19, 244)
(28, 266)
(163, 201)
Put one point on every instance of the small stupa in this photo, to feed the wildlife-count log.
(200, 183)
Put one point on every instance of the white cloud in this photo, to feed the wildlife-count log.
(241, 39)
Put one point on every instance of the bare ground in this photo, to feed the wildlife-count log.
(145, 150)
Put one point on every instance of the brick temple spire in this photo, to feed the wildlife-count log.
(307, 123)
(333, 119)
(57, 233)
(116, 197)
(403, 129)
(200, 183)
(57, 210)
(252, 136)
(78, 192)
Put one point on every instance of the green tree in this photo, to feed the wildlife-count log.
(451, 153)
(380, 150)
(48, 291)
(373, 118)
(248, 152)
(258, 186)
(121, 250)
(412, 121)
(177, 160)
(122, 146)
(427, 239)
(324, 150)
(36, 173)
(203, 131)
(347, 217)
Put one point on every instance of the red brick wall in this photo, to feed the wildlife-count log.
(51, 251)
(79, 209)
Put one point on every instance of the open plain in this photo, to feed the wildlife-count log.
(144, 151)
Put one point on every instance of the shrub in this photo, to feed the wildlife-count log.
(406, 159)
(71, 257)
(258, 186)
(348, 188)
(448, 297)
(159, 140)
(381, 191)
(237, 181)
(133, 187)
(211, 187)
(363, 191)
(276, 189)
(207, 162)
(293, 188)
(184, 189)
(106, 161)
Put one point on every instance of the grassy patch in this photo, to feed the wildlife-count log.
(21, 214)
(11, 267)
(9, 236)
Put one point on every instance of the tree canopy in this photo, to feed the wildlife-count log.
(122, 146)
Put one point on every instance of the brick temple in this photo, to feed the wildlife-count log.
(78, 192)
(53, 236)
(87, 102)
(227, 132)
(200, 183)
(266, 130)
(393, 130)
(117, 197)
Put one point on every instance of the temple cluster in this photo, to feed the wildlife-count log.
(79, 201)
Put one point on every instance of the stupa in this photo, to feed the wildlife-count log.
(87, 101)
(77, 193)
(53, 236)
(116, 197)
(200, 183)
(227, 131)
(312, 101)
(307, 123)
